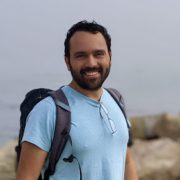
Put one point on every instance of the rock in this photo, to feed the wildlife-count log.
(169, 126)
(155, 126)
(157, 159)
(7, 161)
(143, 127)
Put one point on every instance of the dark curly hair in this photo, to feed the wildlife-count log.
(86, 26)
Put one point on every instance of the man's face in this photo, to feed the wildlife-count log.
(89, 61)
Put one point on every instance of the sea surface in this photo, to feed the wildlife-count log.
(143, 93)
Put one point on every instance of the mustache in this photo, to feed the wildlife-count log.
(91, 69)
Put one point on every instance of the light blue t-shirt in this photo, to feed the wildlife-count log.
(98, 132)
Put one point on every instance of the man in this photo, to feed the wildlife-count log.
(99, 133)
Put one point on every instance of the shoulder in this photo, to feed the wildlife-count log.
(46, 102)
(40, 124)
(43, 113)
(45, 105)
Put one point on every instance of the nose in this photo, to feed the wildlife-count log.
(91, 61)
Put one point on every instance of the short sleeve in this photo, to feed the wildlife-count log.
(40, 124)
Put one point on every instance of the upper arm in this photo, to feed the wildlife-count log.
(31, 162)
(130, 167)
(128, 155)
(36, 140)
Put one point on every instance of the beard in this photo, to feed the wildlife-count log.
(90, 83)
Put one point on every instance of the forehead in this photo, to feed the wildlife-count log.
(86, 41)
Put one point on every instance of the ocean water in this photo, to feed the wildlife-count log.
(143, 94)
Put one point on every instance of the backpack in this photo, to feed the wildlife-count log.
(63, 123)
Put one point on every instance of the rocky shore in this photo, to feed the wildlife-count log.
(7, 161)
(157, 146)
(156, 149)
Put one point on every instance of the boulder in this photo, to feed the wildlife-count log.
(156, 126)
(143, 127)
(169, 126)
(157, 159)
(7, 161)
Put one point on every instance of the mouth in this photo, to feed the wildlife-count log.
(91, 73)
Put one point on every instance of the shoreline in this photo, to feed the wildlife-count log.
(156, 139)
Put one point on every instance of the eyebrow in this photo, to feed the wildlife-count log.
(79, 53)
(100, 50)
(84, 52)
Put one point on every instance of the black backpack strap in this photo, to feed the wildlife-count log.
(62, 129)
(119, 100)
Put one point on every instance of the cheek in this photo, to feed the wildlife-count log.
(107, 64)
(75, 67)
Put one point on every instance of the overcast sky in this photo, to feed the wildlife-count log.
(145, 46)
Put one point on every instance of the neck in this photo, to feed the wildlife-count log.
(93, 94)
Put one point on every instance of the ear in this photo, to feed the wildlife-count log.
(67, 61)
(110, 55)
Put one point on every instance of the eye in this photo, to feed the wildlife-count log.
(80, 55)
(99, 53)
